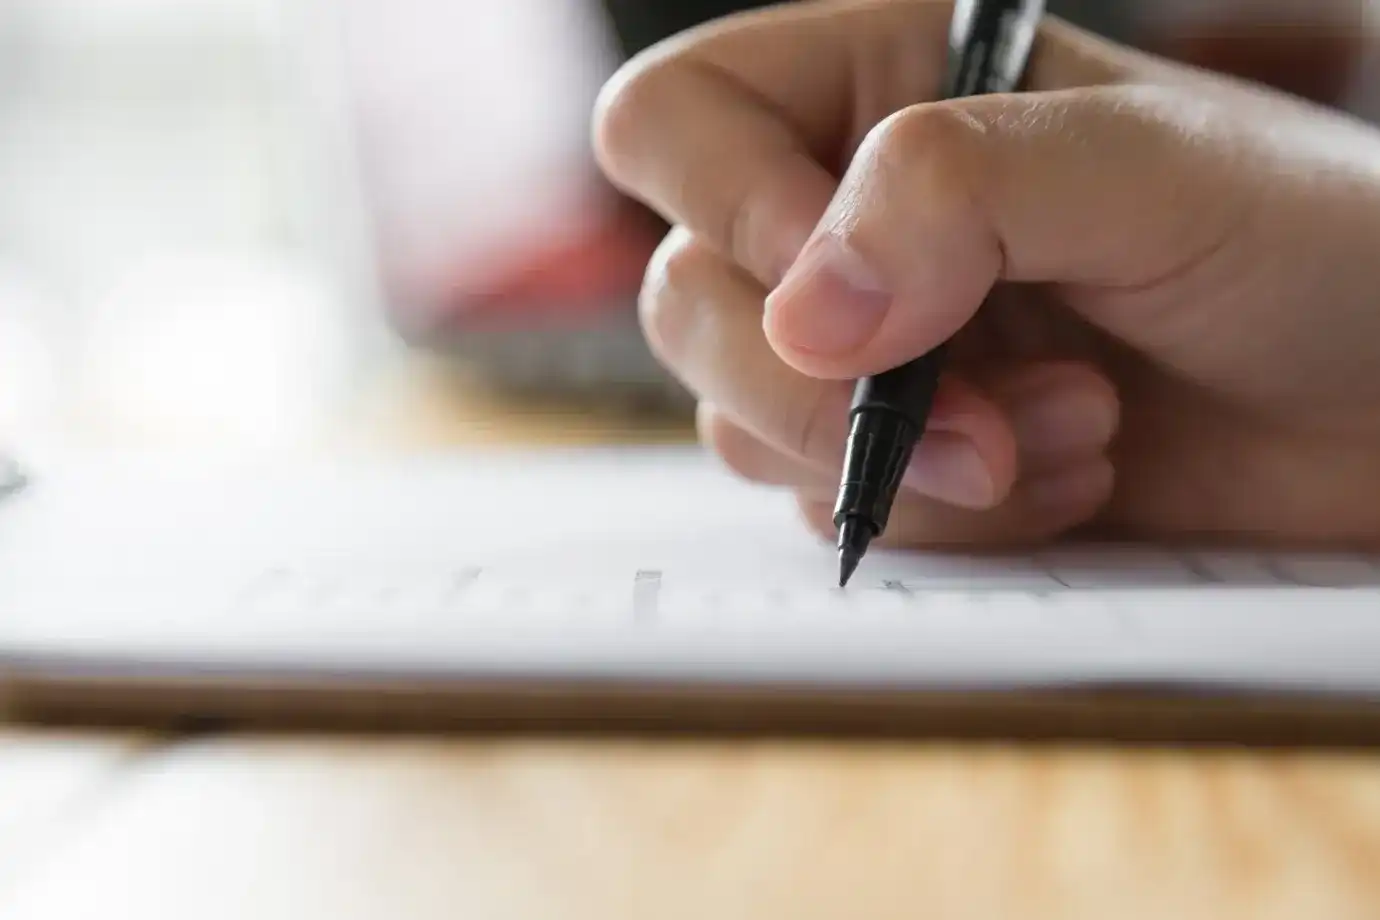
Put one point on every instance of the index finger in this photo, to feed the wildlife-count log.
(738, 129)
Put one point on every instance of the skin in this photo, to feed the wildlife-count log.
(1179, 333)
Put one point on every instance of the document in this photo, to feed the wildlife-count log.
(651, 565)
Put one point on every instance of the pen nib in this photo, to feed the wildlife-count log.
(854, 536)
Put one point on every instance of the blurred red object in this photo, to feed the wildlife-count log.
(498, 243)
(582, 274)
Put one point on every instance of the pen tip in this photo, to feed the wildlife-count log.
(854, 536)
(848, 564)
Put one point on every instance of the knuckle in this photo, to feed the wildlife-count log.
(621, 114)
(728, 442)
(817, 515)
(810, 419)
(666, 300)
(744, 453)
(933, 139)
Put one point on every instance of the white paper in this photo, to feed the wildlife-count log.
(650, 565)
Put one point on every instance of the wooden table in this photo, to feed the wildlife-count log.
(110, 825)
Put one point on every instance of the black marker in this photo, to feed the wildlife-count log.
(989, 45)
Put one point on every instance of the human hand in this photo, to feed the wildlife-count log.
(1184, 336)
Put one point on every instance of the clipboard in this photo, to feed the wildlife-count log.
(486, 591)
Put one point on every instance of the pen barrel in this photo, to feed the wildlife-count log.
(908, 390)
(887, 420)
(989, 45)
(880, 445)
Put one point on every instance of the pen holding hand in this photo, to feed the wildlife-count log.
(989, 44)
(1153, 286)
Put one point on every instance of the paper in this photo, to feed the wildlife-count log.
(646, 564)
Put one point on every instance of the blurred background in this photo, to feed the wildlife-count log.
(260, 221)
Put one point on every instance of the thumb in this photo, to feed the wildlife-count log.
(1107, 186)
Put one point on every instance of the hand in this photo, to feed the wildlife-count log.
(1183, 333)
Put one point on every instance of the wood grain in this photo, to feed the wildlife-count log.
(317, 827)
(287, 829)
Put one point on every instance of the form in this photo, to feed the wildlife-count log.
(511, 565)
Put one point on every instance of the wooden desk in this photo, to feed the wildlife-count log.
(99, 825)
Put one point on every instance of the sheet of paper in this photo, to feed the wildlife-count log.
(644, 564)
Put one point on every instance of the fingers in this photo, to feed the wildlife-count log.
(1051, 500)
(1063, 414)
(946, 466)
(1106, 188)
(702, 317)
(1066, 416)
(1036, 511)
(738, 129)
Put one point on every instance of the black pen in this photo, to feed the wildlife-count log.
(989, 47)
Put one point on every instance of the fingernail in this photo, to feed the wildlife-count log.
(1079, 487)
(1063, 418)
(948, 468)
(830, 302)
